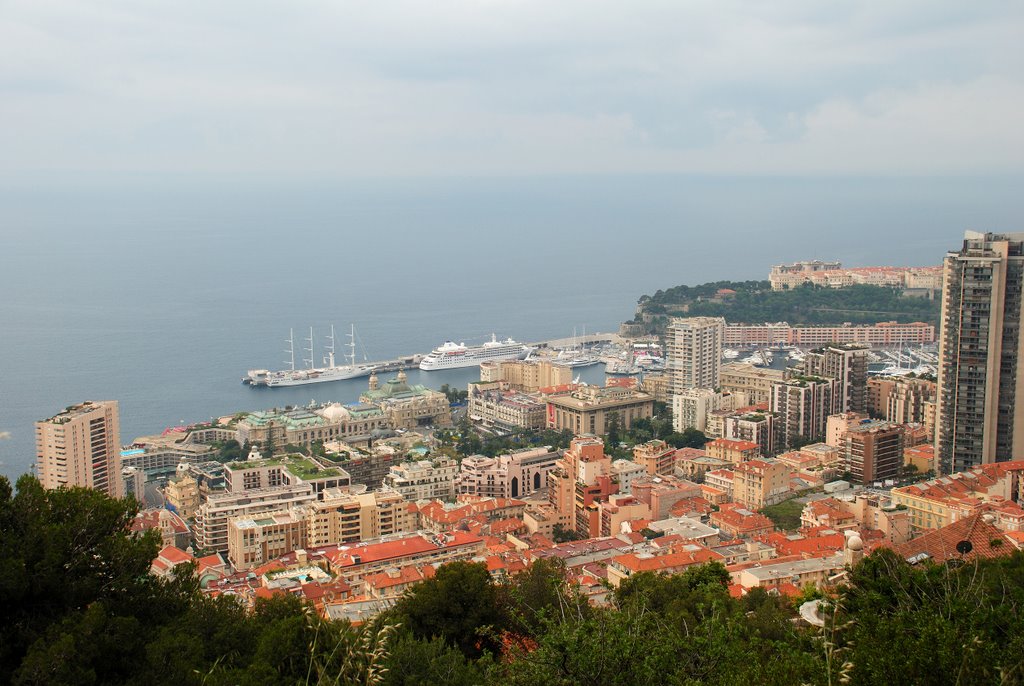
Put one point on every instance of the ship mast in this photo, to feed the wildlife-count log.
(352, 345)
(310, 348)
(291, 349)
(329, 358)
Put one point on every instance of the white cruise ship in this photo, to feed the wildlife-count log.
(452, 355)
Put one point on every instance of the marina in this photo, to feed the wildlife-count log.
(571, 352)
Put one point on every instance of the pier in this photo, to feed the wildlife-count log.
(413, 360)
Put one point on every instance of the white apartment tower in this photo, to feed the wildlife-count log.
(694, 352)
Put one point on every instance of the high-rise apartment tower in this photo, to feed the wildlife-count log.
(695, 352)
(81, 447)
(979, 418)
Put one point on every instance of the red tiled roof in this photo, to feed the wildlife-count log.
(406, 575)
(669, 561)
(411, 545)
(174, 555)
(740, 519)
(692, 504)
(807, 546)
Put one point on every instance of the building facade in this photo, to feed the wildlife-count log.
(343, 517)
(781, 333)
(212, 517)
(588, 409)
(691, 406)
(694, 352)
(514, 475)
(755, 383)
(803, 405)
(424, 479)
(499, 408)
(528, 376)
(979, 353)
(254, 541)
(873, 451)
(759, 483)
(900, 399)
(81, 446)
(847, 364)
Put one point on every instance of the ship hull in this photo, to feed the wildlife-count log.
(315, 376)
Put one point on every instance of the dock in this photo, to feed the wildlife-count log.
(413, 360)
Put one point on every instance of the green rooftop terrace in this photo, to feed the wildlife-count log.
(297, 465)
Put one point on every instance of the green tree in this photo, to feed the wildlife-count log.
(62, 551)
(613, 438)
(458, 605)
(560, 534)
(541, 592)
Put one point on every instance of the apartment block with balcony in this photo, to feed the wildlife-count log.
(344, 517)
(81, 447)
(803, 405)
(760, 483)
(980, 395)
(873, 451)
(424, 479)
(694, 352)
(848, 364)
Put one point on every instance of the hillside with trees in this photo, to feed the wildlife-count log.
(78, 606)
(754, 302)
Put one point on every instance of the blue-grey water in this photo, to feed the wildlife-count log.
(160, 293)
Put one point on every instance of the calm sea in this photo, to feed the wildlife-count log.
(161, 293)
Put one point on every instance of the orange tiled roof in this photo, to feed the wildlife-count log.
(692, 504)
(940, 545)
(174, 555)
(731, 444)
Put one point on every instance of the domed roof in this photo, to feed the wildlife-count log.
(854, 543)
(334, 413)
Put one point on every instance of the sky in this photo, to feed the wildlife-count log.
(402, 88)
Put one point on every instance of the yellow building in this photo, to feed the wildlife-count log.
(528, 376)
(254, 541)
(343, 517)
(732, 451)
(754, 382)
(939, 502)
(656, 457)
(759, 483)
(657, 385)
(588, 409)
(182, 493)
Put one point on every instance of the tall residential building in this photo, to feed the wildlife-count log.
(900, 399)
(81, 446)
(979, 349)
(695, 352)
(847, 363)
(803, 405)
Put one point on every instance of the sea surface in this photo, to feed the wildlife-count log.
(161, 292)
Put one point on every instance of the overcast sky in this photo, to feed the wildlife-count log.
(411, 88)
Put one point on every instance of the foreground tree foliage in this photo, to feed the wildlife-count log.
(79, 607)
